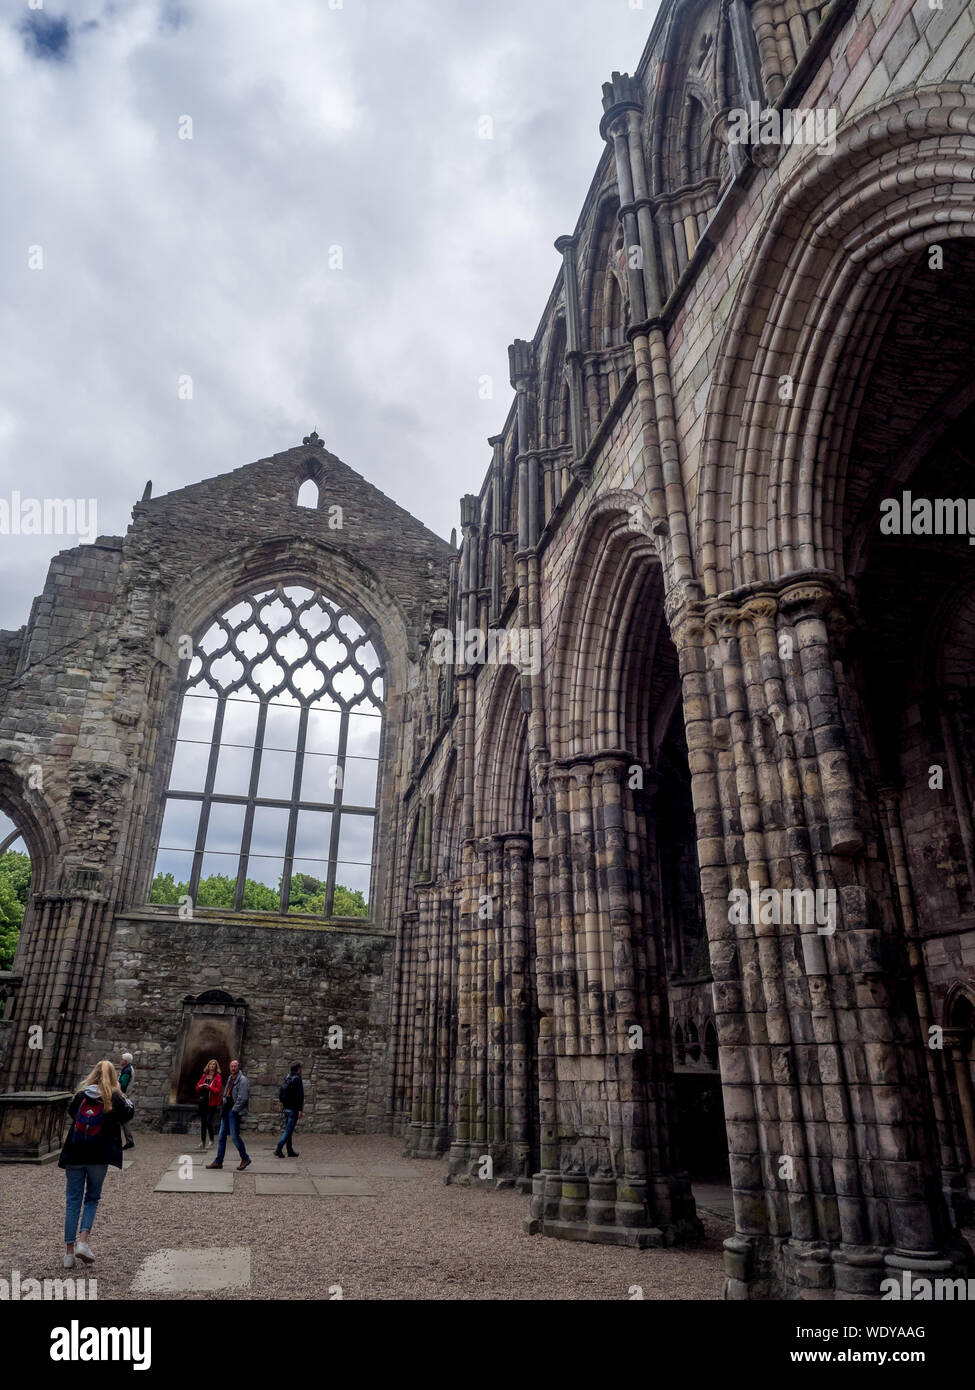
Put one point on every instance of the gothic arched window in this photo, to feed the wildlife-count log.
(308, 494)
(271, 804)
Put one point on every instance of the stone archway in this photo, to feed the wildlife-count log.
(606, 960)
(815, 1023)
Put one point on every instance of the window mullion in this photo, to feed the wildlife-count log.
(333, 848)
(201, 830)
(289, 847)
(245, 843)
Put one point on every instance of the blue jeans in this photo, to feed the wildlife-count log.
(290, 1120)
(84, 1188)
(230, 1124)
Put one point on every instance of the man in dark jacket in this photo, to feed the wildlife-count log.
(292, 1097)
(233, 1108)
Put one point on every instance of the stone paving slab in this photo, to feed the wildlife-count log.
(201, 1181)
(194, 1271)
(276, 1165)
(284, 1185)
(201, 1163)
(330, 1170)
(396, 1170)
(343, 1187)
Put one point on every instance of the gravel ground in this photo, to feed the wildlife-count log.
(416, 1239)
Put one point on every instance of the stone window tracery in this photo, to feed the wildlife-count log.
(271, 803)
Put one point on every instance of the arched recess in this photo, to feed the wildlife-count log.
(830, 263)
(447, 821)
(554, 392)
(555, 432)
(959, 1039)
(604, 299)
(38, 822)
(502, 790)
(43, 834)
(618, 733)
(507, 1083)
(687, 164)
(611, 578)
(310, 470)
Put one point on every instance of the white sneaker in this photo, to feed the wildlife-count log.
(83, 1252)
(69, 1262)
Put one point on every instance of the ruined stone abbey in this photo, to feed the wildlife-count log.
(630, 840)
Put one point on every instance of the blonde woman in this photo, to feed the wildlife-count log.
(209, 1089)
(94, 1142)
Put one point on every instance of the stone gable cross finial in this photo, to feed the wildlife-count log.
(314, 440)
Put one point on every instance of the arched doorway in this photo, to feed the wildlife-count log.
(631, 955)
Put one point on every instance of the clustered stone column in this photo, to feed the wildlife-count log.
(827, 1107)
(492, 1137)
(60, 986)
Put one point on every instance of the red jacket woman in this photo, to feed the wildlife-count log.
(209, 1089)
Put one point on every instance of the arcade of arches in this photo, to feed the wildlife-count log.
(583, 960)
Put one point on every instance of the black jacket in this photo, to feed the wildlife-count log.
(293, 1093)
(107, 1148)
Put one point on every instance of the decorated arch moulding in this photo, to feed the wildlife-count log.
(39, 820)
(288, 561)
(618, 507)
(854, 228)
(958, 991)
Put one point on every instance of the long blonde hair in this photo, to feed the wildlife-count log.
(214, 1064)
(105, 1077)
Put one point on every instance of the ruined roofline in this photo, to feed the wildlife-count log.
(297, 454)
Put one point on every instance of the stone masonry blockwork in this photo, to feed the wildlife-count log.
(679, 886)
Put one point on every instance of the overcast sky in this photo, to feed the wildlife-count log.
(312, 128)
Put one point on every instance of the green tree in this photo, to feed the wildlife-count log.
(165, 889)
(14, 888)
(349, 902)
(307, 895)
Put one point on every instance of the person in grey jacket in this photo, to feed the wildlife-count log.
(233, 1107)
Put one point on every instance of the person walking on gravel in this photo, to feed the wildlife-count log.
(94, 1142)
(125, 1078)
(292, 1097)
(236, 1098)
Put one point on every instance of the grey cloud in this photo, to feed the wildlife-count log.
(311, 128)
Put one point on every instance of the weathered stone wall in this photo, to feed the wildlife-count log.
(87, 730)
(652, 501)
(296, 984)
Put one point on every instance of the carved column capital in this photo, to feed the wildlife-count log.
(807, 599)
(760, 612)
(721, 622)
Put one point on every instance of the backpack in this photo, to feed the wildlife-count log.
(88, 1121)
(285, 1090)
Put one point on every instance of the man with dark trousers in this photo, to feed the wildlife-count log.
(292, 1097)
